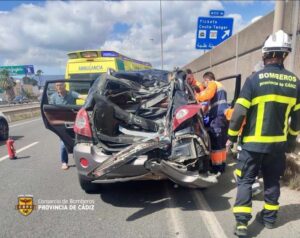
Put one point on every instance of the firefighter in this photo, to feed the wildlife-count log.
(215, 94)
(267, 100)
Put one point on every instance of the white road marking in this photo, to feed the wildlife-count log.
(175, 222)
(23, 123)
(211, 222)
(231, 164)
(20, 150)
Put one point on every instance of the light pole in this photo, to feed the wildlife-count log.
(161, 39)
(296, 7)
(278, 16)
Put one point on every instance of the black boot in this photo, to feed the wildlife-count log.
(241, 229)
(261, 220)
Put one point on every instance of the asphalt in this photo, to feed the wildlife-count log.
(133, 209)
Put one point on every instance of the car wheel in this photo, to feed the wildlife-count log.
(3, 130)
(87, 185)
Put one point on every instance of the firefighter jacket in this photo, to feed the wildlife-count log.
(216, 94)
(268, 99)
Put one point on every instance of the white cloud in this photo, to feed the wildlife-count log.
(43, 35)
(238, 22)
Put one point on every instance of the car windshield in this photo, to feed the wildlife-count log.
(77, 86)
(85, 76)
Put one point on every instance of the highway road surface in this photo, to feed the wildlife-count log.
(136, 209)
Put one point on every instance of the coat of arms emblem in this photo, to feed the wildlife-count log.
(25, 204)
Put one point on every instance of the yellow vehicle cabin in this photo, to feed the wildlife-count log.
(89, 64)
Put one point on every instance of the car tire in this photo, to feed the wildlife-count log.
(4, 130)
(87, 185)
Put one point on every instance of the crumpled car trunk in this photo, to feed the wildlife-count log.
(133, 115)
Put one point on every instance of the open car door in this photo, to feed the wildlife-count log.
(59, 114)
(232, 86)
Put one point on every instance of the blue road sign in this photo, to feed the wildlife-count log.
(19, 69)
(28, 69)
(211, 31)
(216, 13)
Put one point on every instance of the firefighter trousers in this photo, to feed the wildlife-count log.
(272, 167)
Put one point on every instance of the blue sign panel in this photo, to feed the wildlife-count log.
(216, 13)
(19, 69)
(28, 69)
(212, 31)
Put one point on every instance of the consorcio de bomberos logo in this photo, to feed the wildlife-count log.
(25, 204)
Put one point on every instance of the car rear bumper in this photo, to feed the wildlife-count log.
(137, 169)
(96, 157)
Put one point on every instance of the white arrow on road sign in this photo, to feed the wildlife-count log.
(226, 33)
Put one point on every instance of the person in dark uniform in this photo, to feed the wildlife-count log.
(270, 102)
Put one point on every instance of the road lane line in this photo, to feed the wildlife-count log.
(20, 150)
(23, 123)
(175, 222)
(211, 222)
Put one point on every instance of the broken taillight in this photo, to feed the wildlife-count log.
(84, 163)
(82, 124)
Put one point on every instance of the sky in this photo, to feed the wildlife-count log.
(42, 32)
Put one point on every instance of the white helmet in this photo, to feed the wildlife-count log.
(277, 42)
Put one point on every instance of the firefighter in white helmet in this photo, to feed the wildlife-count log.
(268, 100)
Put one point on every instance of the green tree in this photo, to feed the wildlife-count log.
(30, 81)
(28, 94)
(4, 79)
(7, 83)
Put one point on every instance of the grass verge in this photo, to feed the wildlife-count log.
(291, 176)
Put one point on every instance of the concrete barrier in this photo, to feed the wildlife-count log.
(16, 114)
(7, 105)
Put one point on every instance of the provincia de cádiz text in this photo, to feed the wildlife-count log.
(65, 204)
